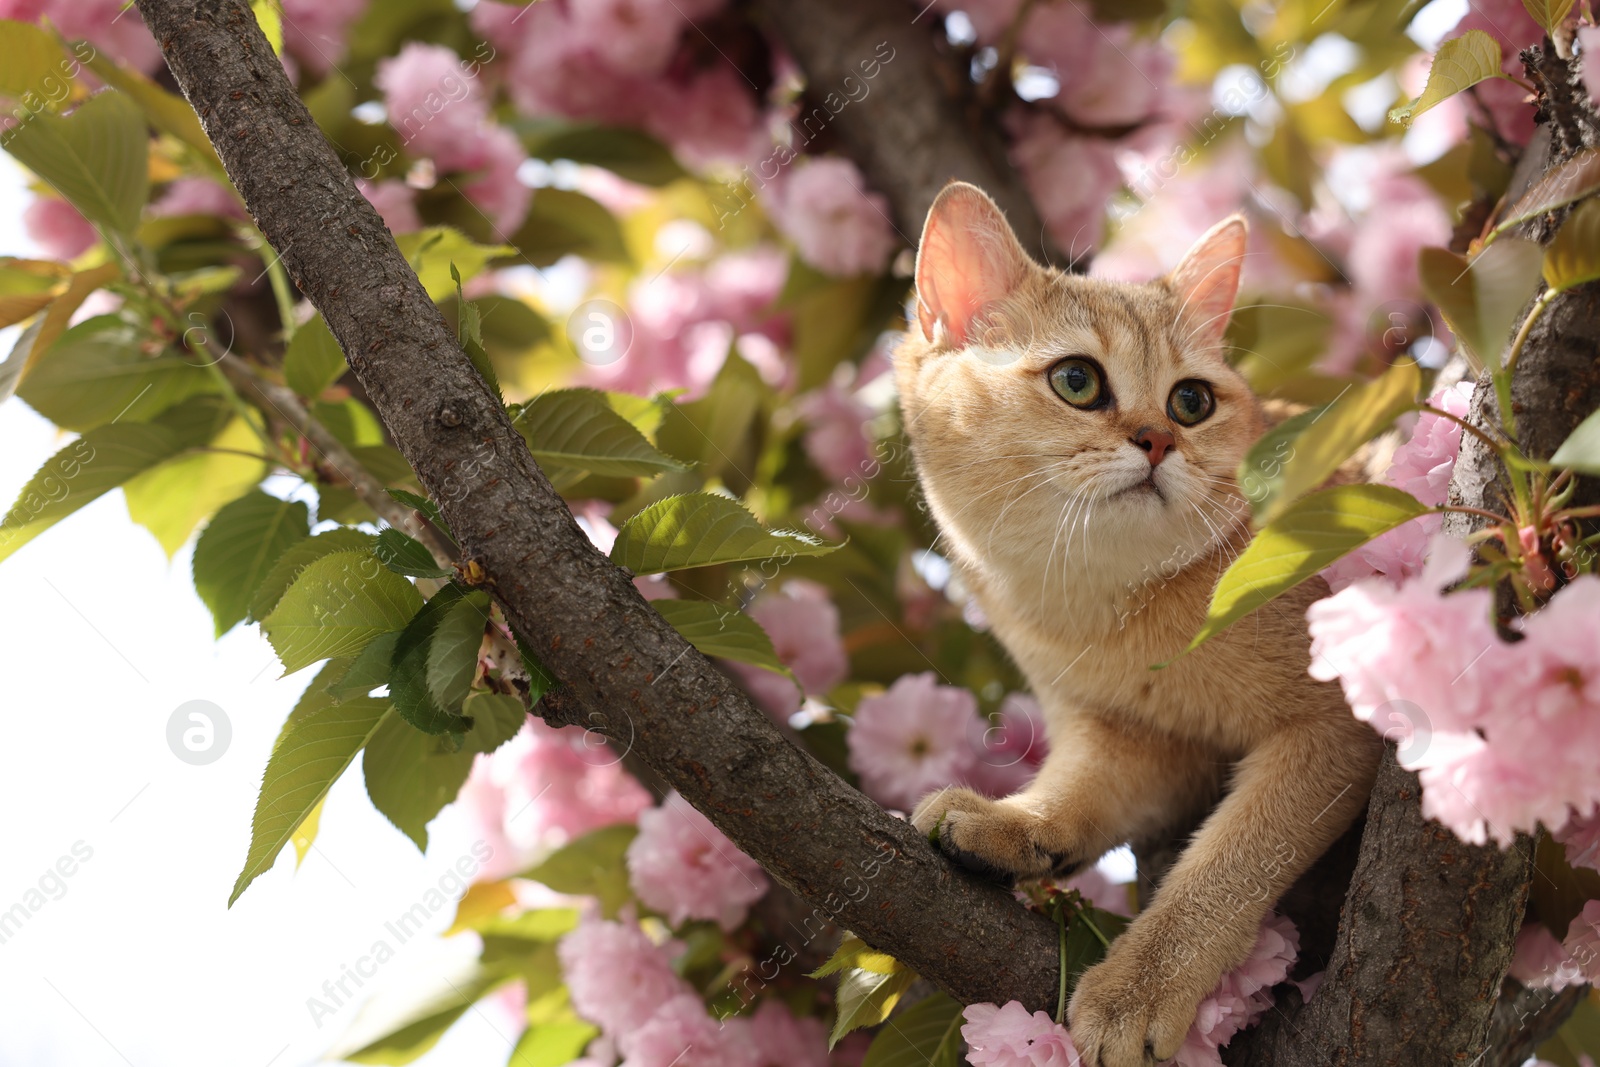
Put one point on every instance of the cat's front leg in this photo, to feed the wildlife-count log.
(1293, 795)
(1102, 784)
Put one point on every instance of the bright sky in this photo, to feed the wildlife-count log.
(137, 961)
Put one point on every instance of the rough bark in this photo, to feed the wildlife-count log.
(627, 673)
(919, 124)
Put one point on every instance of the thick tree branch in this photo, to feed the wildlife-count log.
(629, 674)
(918, 126)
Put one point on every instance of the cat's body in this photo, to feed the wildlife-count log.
(1092, 533)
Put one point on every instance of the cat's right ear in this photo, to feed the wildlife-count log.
(967, 261)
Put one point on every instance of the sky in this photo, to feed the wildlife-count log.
(135, 960)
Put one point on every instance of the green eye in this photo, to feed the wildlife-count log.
(1191, 402)
(1077, 381)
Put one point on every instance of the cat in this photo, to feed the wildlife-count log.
(1077, 442)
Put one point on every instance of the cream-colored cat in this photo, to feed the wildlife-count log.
(1078, 440)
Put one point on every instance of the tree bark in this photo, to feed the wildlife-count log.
(918, 126)
(626, 673)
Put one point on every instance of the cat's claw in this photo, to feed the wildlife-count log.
(1124, 1015)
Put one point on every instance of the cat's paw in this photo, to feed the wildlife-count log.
(984, 836)
(1125, 1014)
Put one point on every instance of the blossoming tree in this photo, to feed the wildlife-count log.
(510, 356)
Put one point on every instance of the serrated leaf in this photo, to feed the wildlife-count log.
(1364, 411)
(238, 548)
(422, 703)
(1482, 300)
(42, 335)
(1581, 450)
(927, 1034)
(722, 632)
(540, 680)
(97, 371)
(579, 429)
(398, 1027)
(1548, 13)
(411, 775)
(1573, 256)
(295, 559)
(171, 499)
(368, 670)
(423, 505)
(96, 157)
(432, 253)
(865, 998)
(336, 605)
(314, 747)
(406, 555)
(453, 652)
(592, 866)
(1460, 63)
(1570, 180)
(313, 360)
(496, 719)
(698, 529)
(1299, 543)
(82, 472)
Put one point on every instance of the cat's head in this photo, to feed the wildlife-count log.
(1062, 422)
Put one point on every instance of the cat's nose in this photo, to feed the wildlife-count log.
(1155, 442)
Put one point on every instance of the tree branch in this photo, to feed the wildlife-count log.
(918, 126)
(629, 674)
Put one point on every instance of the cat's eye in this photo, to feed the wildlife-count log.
(1191, 402)
(1078, 382)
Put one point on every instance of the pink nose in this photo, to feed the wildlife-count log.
(1155, 443)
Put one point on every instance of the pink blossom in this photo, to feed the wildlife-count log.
(1070, 178)
(682, 866)
(1397, 555)
(1009, 749)
(1405, 217)
(633, 35)
(837, 224)
(1100, 891)
(836, 435)
(314, 30)
(1540, 962)
(435, 105)
(104, 23)
(1011, 1037)
(682, 1034)
(618, 977)
(199, 196)
(804, 627)
(1581, 837)
(57, 227)
(912, 740)
(782, 1040)
(1108, 78)
(495, 189)
(710, 119)
(395, 201)
(1582, 943)
(1242, 994)
(1589, 42)
(1509, 23)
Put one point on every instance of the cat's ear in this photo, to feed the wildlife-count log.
(1207, 281)
(967, 261)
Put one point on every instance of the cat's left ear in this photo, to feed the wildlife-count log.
(967, 262)
(1207, 281)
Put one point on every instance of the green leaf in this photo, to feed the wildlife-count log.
(96, 157)
(31, 63)
(496, 719)
(627, 153)
(336, 605)
(411, 775)
(721, 430)
(368, 670)
(166, 111)
(552, 1044)
(422, 504)
(927, 1034)
(540, 680)
(392, 1028)
(1573, 257)
(1364, 411)
(1567, 181)
(404, 554)
(239, 547)
(1300, 542)
(426, 683)
(97, 371)
(1548, 13)
(170, 500)
(865, 998)
(564, 223)
(698, 529)
(1084, 948)
(1460, 63)
(723, 632)
(1581, 450)
(1482, 301)
(314, 747)
(1261, 471)
(83, 471)
(270, 19)
(592, 866)
(434, 251)
(854, 953)
(314, 360)
(295, 559)
(579, 429)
